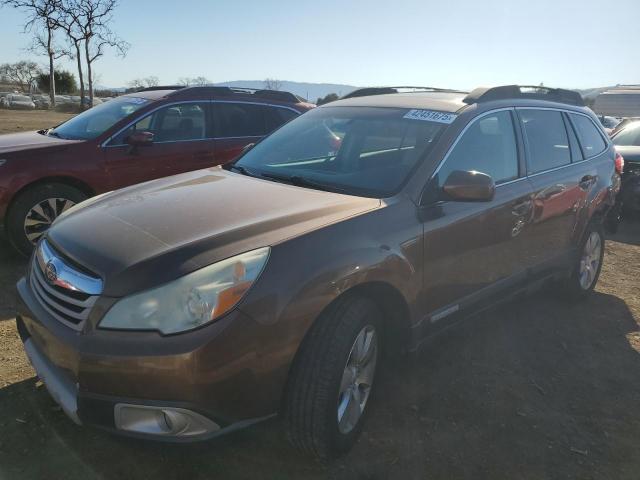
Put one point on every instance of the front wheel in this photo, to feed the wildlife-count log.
(332, 378)
(35, 209)
(588, 264)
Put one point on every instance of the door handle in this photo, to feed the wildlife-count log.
(586, 181)
(521, 208)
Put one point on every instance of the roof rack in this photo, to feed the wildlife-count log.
(278, 95)
(367, 91)
(560, 95)
(161, 87)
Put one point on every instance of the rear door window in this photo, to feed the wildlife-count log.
(590, 139)
(275, 117)
(546, 139)
(238, 120)
(488, 146)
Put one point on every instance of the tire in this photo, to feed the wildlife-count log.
(575, 287)
(314, 400)
(40, 205)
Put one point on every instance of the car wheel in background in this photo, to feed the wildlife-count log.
(332, 378)
(35, 209)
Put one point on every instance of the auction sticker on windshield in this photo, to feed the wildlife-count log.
(430, 116)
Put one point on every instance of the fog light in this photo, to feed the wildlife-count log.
(164, 421)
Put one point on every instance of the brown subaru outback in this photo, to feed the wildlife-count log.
(193, 305)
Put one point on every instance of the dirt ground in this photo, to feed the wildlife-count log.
(538, 389)
(23, 121)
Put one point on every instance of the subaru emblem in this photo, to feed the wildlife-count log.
(50, 272)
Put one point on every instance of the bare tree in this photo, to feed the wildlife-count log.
(146, 82)
(42, 18)
(24, 73)
(200, 81)
(195, 81)
(69, 22)
(94, 19)
(272, 84)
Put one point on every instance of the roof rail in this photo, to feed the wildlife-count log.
(367, 91)
(161, 87)
(560, 95)
(261, 93)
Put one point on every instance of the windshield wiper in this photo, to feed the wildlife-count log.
(299, 181)
(53, 133)
(242, 170)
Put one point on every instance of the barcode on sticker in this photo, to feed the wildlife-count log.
(430, 116)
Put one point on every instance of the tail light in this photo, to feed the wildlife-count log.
(619, 162)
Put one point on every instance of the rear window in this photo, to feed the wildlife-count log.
(629, 135)
(547, 142)
(589, 137)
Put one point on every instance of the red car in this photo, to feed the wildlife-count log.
(136, 137)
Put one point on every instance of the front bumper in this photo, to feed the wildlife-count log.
(206, 382)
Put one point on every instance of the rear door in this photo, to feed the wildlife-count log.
(181, 142)
(560, 180)
(474, 249)
(237, 124)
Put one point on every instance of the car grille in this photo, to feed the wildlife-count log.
(64, 291)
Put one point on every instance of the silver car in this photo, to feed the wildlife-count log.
(19, 102)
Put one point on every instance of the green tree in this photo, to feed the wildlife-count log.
(65, 82)
(330, 97)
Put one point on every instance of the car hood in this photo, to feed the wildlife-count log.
(154, 232)
(15, 142)
(629, 153)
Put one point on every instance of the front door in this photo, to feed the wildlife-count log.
(471, 249)
(181, 143)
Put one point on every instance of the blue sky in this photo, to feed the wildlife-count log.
(450, 43)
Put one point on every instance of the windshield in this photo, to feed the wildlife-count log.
(98, 119)
(356, 150)
(628, 136)
(20, 98)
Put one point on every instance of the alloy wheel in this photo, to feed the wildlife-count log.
(590, 260)
(41, 216)
(357, 379)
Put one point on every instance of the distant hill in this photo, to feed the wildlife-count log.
(310, 91)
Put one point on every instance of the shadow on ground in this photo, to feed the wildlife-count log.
(540, 387)
(12, 267)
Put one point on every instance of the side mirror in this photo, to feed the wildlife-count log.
(469, 186)
(140, 139)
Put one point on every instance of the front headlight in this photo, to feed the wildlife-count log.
(193, 300)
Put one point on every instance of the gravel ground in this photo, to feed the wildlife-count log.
(535, 389)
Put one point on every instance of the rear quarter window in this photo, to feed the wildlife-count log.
(589, 137)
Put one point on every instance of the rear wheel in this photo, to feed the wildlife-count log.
(35, 209)
(588, 264)
(332, 379)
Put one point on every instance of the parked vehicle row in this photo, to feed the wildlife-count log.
(16, 101)
(192, 305)
(627, 142)
(128, 140)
